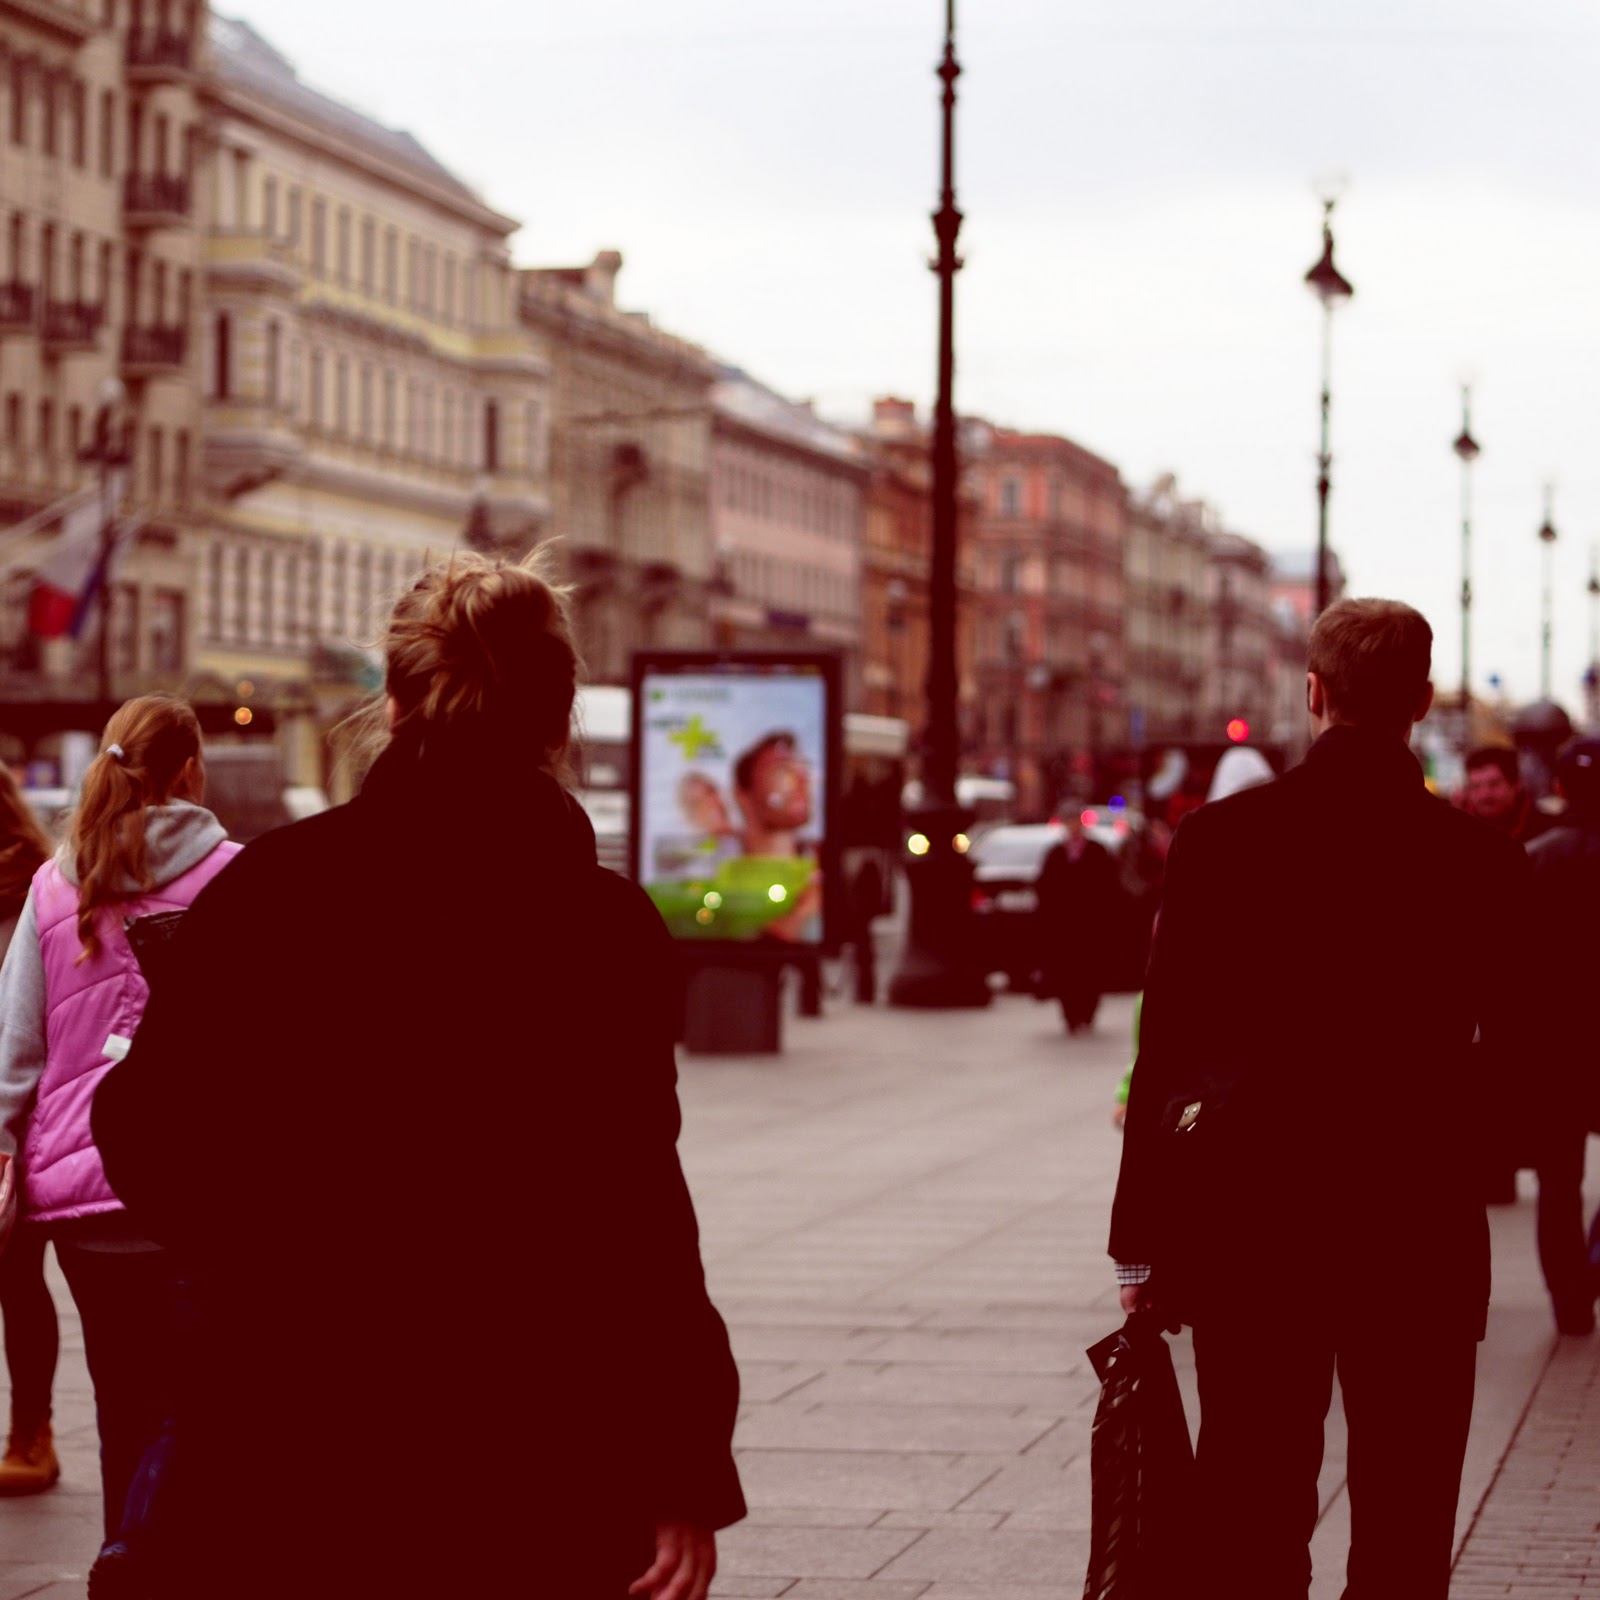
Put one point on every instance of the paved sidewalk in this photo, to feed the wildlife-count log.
(904, 1223)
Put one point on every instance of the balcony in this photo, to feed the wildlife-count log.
(157, 55)
(68, 326)
(154, 200)
(154, 351)
(17, 307)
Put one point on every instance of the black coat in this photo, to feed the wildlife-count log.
(408, 1109)
(1327, 946)
(1078, 920)
(1565, 941)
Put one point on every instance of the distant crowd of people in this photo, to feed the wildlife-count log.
(357, 1151)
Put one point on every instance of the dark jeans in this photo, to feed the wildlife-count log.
(134, 1312)
(1265, 1388)
(32, 1337)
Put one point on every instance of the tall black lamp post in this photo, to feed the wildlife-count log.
(1547, 540)
(1330, 286)
(1591, 678)
(1467, 451)
(937, 966)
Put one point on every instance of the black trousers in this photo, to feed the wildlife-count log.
(1265, 1389)
(1563, 1248)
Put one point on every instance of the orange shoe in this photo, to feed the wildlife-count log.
(29, 1465)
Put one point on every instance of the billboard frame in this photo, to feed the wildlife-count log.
(824, 664)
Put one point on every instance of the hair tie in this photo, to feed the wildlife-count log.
(116, 752)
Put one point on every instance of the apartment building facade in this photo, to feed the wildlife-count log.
(631, 423)
(788, 503)
(1049, 542)
(370, 398)
(100, 141)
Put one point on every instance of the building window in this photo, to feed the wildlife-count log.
(449, 307)
(491, 435)
(274, 347)
(1010, 497)
(363, 587)
(317, 378)
(312, 629)
(414, 273)
(269, 207)
(343, 245)
(241, 595)
(341, 397)
(369, 251)
(166, 631)
(214, 585)
(341, 592)
(535, 439)
(180, 466)
(389, 398)
(269, 598)
(391, 265)
(294, 218)
(47, 439)
(52, 113)
(319, 237)
(222, 355)
(365, 414)
(125, 628)
(156, 445)
(108, 134)
(447, 429)
(19, 102)
(80, 126)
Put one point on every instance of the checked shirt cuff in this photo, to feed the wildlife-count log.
(1130, 1274)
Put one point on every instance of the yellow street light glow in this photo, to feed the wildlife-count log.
(244, 716)
(713, 899)
(962, 844)
(919, 844)
(777, 893)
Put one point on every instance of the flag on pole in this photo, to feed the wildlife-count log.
(65, 574)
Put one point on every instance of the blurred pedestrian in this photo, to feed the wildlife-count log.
(1563, 1097)
(408, 1103)
(1495, 794)
(71, 997)
(32, 1337)
(1299, 1177)
(1078, 888)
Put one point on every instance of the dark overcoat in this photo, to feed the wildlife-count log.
(408, 1109)
(1327, 947)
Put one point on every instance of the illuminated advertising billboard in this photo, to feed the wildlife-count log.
(735, 768)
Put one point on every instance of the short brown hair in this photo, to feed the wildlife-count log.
(1373, 657)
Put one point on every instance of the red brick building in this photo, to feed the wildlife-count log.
(1048, 544)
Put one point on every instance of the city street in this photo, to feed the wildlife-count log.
(904, 1220)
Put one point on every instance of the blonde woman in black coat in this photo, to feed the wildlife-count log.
(408, 1101)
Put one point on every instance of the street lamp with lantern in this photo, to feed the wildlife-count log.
(1467, 451)
(1547, 538)
(1330, 286)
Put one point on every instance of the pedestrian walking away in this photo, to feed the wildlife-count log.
(32, 1336)
(71, 998)
(1560, 1098)
(407, 1099)
(1078, 886)
(1300, 1173)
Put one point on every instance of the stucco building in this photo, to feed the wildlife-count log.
(788, 502)
(1165, 620)
(370, 397)
(631, 464)
(100, 142)
(1241, 644)
(1048, 544)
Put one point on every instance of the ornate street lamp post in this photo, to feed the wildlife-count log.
(1467, 451)
(108, 452)
(937, 966)
(1330, 286)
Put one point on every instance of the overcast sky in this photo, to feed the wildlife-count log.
(1140, 210)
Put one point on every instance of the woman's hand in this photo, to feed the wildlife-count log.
(686, 1562)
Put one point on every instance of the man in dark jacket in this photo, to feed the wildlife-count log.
(1078, 888)
(1566, 933)
(1299, 1177)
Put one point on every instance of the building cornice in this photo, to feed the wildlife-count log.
(65, 22)
(857, 470)
(224, 99)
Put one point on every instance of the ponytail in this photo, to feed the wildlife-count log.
(145, 747)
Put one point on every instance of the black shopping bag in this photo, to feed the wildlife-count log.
(1141, 1469)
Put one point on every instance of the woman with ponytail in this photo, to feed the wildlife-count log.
(409, 1106)
(31, 1334)
(71, 997)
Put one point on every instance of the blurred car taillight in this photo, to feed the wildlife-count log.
(982, 900)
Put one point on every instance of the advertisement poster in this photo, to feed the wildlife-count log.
(733, 783)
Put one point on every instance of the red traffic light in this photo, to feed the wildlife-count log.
(1238, 730)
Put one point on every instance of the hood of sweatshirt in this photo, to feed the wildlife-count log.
(177, 837)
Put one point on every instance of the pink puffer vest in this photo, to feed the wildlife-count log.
(89, 1003)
